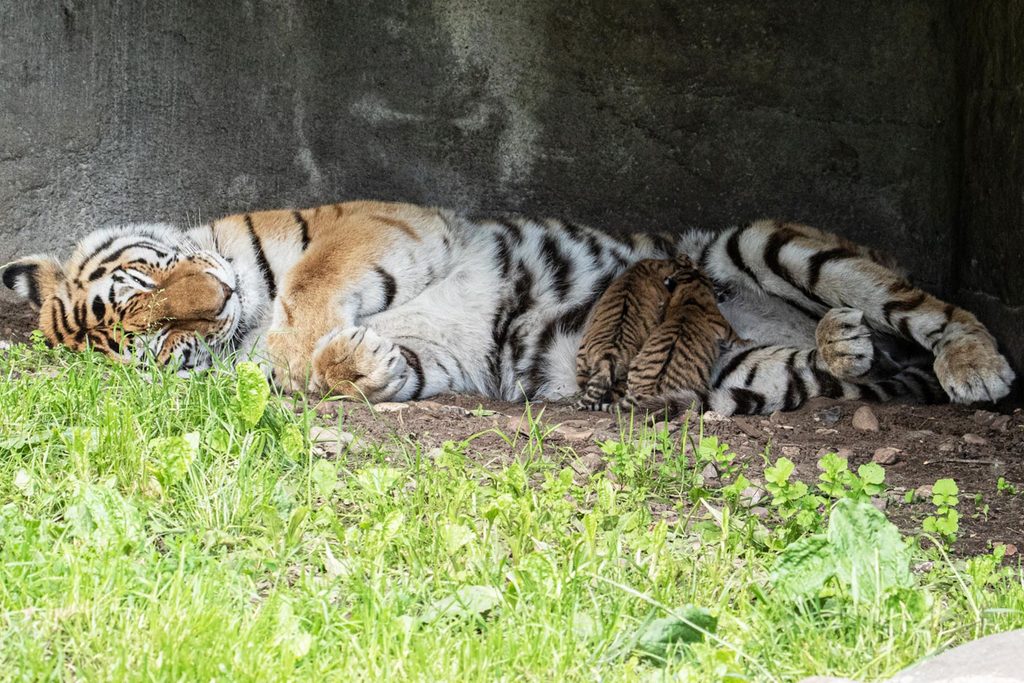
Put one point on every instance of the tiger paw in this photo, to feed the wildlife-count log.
(359, 363)
(844, 343)
(288, 357)
(971, 369)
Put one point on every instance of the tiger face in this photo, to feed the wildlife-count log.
(135, 292)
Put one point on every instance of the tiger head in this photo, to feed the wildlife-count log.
(141, 291)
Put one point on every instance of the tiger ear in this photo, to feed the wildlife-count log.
(33, 278)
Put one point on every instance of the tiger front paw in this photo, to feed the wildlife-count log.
(844, 343)
(288, 355)
(970, 369)
(357, 362)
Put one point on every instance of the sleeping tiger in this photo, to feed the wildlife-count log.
(395, 301)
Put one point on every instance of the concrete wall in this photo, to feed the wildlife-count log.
(628, 115)
(989, 269)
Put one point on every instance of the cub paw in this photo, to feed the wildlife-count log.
(359, 363)
(844, 343)
(971, 369)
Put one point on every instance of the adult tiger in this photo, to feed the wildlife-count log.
(396, 301)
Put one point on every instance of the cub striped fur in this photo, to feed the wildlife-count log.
(621, 322)
(673, 368)
(396, 302)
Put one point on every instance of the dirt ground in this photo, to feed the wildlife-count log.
(974, 447)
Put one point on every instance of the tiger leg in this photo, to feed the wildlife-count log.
(759, 380)
(599, 389)
(814, 271)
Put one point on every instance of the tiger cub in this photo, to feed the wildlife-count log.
(621, 322)
(673, 367)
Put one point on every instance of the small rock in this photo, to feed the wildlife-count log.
(4, 344)
(589, 463)
(864, 420)
(390, 407)
(919, 434)
(790, 451)
(712, 416)
(880, 503)
(845, 453)
(709, 473)
(975, 440)
(994, 421)
(1000, 424)
(947, 446)
(759, 511)
(886, 456)
(825, 431)
(751, 496)
(777, 418)
(831, 416)
(574, 430)
(1010, 548)
(822, 452)
(331, 441)
(923, 492)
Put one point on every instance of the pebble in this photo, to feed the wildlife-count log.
(975, 440)
(709, 473)
(591, 462)
(390, 407)
(1011, 549)
(993, 421)
(830, 416)
(575, 430)
(880, 503)
(777, 418)
(751, 496)
(790, 451)
(923, 492)
(332, 441)
(864, 419)
(886, 455)
(4, 344)
(919, 434)
(759, 511)
(712, 416)
(947, 446)
(845, 453)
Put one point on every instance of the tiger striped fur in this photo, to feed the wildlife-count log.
(396, 301)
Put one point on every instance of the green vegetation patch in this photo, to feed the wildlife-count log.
(157, 527)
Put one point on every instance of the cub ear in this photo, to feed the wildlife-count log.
(33, 278)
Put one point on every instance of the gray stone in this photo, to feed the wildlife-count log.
(992, 659)
(886, 455)
(864, 419)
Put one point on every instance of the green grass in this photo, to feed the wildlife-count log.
(153, 527)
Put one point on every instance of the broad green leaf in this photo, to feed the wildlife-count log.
(251, 392)
(869, 553)
(324, 474)
(803, 567)
(171, 456)
(686, 625)
(468, 601)
(100, 516)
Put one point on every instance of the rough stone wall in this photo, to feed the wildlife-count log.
(627, 115)
(989, 263)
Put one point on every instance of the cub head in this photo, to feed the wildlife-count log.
(133, 292)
